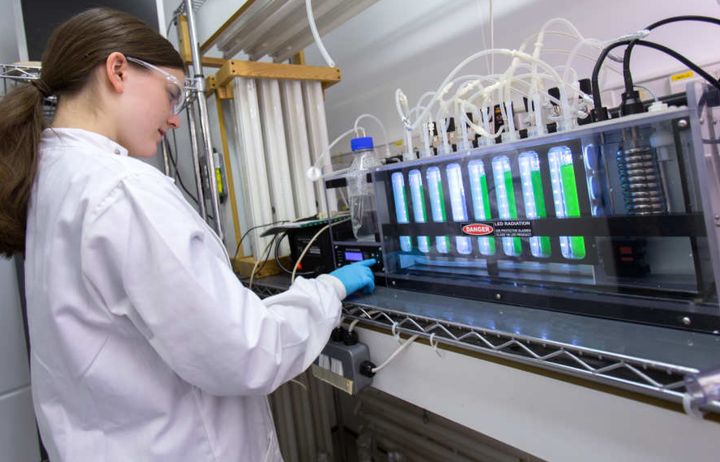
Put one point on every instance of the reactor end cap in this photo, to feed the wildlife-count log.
(313, 174)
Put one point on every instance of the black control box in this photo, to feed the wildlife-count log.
(346, 253)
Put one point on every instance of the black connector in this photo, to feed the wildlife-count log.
(631, 103)
(337, 334)
(349, 338)
(599, 114)
(366, 368)
(585, 87)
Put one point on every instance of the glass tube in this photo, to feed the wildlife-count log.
(417, 193)
(437, 206)
(402, 212)
(565, 197)
(463, 244)
(507, 207)
(481, 202)
(534, 199)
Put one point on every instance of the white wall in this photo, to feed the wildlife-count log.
(18, 436)
(551, 419)
(414, 44)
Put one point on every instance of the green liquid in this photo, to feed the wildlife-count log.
(512, 208)
(443, 212)
(423, 213)
(486, 209)
(572, 207)
(423, 208)
(441, 196)
(540, 209)
(406, 207)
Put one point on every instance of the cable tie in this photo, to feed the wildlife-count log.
(690, 409)
(394, 331)
(434, 344)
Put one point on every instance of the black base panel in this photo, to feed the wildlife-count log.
(703, 318)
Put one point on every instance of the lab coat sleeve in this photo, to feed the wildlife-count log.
(147, 256)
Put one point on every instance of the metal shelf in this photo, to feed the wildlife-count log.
(19, 72)
(649, 377)
(279, 29)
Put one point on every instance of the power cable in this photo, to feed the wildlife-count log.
(177, 172)
(600, 113)
(627, 75)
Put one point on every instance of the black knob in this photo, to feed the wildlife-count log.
(366, 368)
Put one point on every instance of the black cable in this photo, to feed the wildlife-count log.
(627, 75)
(600, 112)
(177, 172)
(242, 238)
(264, 258)
(176, 175)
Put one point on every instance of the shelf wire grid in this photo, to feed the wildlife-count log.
(644, 376)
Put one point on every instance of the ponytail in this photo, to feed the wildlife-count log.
(74, 50)
(21, 125)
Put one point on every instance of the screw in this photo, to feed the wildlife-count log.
(686, 321)
(682, 123)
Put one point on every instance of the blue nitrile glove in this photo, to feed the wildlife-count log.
(357, 276)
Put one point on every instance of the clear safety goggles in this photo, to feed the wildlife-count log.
(178, 92)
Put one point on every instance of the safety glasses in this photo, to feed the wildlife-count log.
(177, 92)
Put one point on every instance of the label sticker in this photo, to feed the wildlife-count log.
(502, 228)
(478, 229)
(682, 76)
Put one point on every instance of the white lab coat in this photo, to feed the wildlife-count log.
(145, 346)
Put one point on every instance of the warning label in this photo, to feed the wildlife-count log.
(503, 228)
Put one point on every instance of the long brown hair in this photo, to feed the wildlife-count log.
(74, 50)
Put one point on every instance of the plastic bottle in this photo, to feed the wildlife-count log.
(360, 192)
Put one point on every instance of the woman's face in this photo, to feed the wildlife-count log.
(147, 109)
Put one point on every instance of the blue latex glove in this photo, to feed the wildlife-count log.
(357, 276)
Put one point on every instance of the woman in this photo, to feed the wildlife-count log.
(145, 347)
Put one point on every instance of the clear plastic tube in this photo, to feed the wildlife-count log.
(427, 152)
(462, 128)
(437, 206)
(402, 212)
(316, 34)
(481, 202)
(445, 146)
(380, 124)
(507, 207)
(565, 197)
(443, 88)
(534, 199)
(417, 194)
(314, 173)
(458, 207)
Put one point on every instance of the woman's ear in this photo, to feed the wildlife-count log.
(116, 66)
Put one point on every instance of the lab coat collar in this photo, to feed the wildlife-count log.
(78, 136)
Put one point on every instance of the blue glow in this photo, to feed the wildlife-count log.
(458, 206)
(402, 214)
(436, 206)
(501, 167)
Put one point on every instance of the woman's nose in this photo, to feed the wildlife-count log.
(174, 121)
